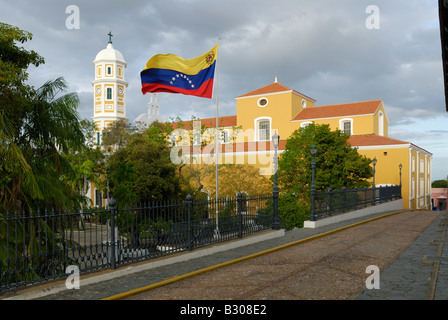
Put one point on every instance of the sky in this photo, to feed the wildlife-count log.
(333, 51)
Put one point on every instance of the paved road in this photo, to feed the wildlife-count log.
(407, 247)
(331, 267)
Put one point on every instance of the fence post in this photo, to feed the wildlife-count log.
(189, 200)
(276, 225)
(239, 197)
(373, 195)
(329, 201)
(344, 193)
(112, 204)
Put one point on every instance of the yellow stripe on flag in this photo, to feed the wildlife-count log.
(189, 66)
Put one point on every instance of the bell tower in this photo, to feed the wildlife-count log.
(109, 97)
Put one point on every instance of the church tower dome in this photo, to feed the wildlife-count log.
(109, 88)
(110, 54)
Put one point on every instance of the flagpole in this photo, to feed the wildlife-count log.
(217, 147)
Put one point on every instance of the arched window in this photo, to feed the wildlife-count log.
(263, 129)
(346, 126)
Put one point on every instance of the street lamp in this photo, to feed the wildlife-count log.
(275, 142)
(400, 166)
(313, 151)
(374, 164)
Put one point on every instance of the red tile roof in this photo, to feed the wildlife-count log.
(339, 110)
(373, 140)
(272, 88)
(226, 121)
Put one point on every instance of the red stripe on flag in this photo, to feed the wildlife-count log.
(205, 91)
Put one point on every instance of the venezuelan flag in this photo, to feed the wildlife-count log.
(173, 74)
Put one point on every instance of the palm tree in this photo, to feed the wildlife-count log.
(49, 129)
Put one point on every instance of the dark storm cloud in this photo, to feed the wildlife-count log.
(321, 48)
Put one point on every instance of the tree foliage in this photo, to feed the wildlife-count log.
(86, 165)
(143, 169)
(117, 134)
(439, 184)
(338, 165)
(235, 178)
(37, 126)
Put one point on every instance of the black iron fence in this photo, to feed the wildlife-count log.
(332, 202)
(40, 246)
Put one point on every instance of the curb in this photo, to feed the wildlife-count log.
(134, 292)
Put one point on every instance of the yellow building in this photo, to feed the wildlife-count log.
(277, 108)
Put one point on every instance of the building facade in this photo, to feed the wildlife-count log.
(277, 108)
(109, 88)
(439, 197)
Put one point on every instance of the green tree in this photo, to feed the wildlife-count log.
(36, 128)
(149, 155)
(14, 102)
(86, 165)
(338, 166)
(245, 178)
(439, 184)
(117, 134)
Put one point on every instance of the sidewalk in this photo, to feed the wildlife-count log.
(420, 272)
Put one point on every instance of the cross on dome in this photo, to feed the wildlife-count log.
(110, 36)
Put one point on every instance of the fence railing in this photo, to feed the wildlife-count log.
(332, 202)
(40, 246)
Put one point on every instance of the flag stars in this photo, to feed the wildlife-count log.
(183, 76)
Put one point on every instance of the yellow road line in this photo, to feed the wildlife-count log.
(134, 292)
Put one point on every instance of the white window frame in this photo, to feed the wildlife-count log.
(305, 124)
(111, 93)
(343, 121)
(226, 138)
(257, 129)
(413, 188)
(262, 105)
(381, 123)
(422, 187)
